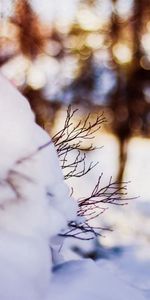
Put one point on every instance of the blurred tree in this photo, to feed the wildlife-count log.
(30, 35)
(100, 60)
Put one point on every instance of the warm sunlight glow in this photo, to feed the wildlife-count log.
(95, 40)
(7, 30)
(88, 20)
(16, 69)
(122, 53)
(146, 42)
(36, 79)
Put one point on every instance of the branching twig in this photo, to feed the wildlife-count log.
(96, 204)
(69, 143)
(71, 138)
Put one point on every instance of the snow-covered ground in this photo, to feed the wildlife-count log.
(34, 207)
(131, 224)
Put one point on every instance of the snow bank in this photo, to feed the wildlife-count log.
(20, 137)
(29, 217)
(34, 207)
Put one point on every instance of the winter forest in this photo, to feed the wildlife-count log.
(74, 150)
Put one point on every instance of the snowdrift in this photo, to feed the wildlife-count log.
(34, 208)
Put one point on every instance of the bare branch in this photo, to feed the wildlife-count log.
(69, 145)
(70, 140)
(94, 205)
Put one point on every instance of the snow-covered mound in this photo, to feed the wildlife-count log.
(33, 173)
(34, 207)
(34, 200)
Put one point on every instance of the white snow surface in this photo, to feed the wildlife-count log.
(20, 137)
(30, 219)
(86, 280)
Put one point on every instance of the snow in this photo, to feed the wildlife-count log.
(88, 280)
(29, 221)
(34, 207)
(135, 266)
(20, 137)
